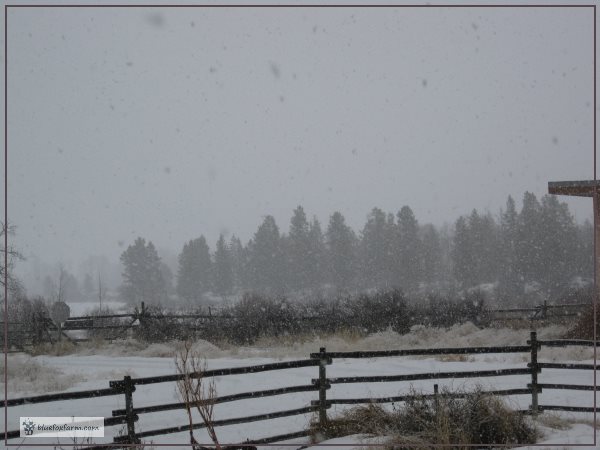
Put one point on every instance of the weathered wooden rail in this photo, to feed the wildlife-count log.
(543, 311)
(130, 415)
(143, 321)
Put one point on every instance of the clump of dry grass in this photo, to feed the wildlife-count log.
(453, 358)
(473, 418)
(553, 421)
(61, 348)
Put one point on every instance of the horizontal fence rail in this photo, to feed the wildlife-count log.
(427, 352)
(570, 387)
(430, 376)
(224, 372)
(567, 342)
(404, 398)
(223, 422)
(62, 396)
(131, 415)
(223, 399)
(572, 366)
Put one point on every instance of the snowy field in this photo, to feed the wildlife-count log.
(86, 308)
(84, 370)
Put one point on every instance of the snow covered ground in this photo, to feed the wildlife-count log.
(86, 308)
(89, 370)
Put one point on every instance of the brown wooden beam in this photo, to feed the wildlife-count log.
(583, 188)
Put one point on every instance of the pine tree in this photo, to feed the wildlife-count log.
(341, 249)
(297, 246)
(510, 283)
(142, 277)
(484, 248)
(462, 255)
(558, 238)
(265, 258)
(223, 269)
(239, 263)
(375, 250)
(194, 272)
(316, 255)
(408, 250)
(431, 254)
(529, 245)
(167, 275)
(585, 250)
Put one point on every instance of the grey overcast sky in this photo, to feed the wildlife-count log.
(171, 123)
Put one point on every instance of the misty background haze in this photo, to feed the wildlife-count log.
(174, 123)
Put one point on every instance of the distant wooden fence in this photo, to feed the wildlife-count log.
(144, 322)
(543, 311)
(103, 326)
(130, 415)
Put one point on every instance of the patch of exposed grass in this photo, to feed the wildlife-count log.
(64, 347)
(474, 418)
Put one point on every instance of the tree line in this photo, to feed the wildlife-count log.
(538, 251)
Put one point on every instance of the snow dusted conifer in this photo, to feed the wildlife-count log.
(265, 258)
(194, 272)
(341, 252)
(409, 250)
(222, 269)
(142, 276)
(316, 255)
(375, 251)
(297, 247)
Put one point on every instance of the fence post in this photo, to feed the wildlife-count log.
(534, 373)
(322, 386)
(129, 388)
(142, 320)
(545, 309)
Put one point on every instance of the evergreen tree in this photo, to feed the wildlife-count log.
(375, 249)
(409, 251)
(529, 245)
(194, 272)
(316, 255)
(510, 282)
(239, 262)
(297, 247)
(462, 255)
(431, 255)
(142, 277)
(341, 249)
(223, 269)
(558, 238)
(265, 258)
(484, 248)
(585, 250)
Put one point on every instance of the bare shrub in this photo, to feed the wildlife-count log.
(158, 325)
(196, 392)
(61, 348)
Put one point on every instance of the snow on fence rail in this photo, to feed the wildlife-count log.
(130, 415)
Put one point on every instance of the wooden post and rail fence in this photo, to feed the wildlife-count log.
(116, 326)
(130, 415)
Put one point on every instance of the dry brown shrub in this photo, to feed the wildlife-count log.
(473, 418)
